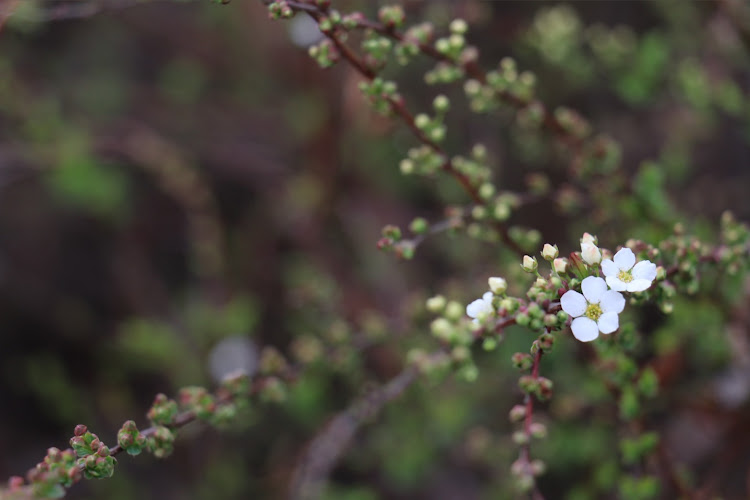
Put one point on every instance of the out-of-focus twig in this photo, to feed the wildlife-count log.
(325, 450)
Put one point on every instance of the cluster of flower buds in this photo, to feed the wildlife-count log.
(163, 411)
(198, 400)
(59, 470)
(94, 456)
(161, 442)
(392, 241)
(130, 439)
(380, 93)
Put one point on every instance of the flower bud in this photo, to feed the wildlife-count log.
(560, 264)
(486, 191)
(436, 304)
(422, 121)
(454, 310)
(661, 273)
(521, 361)
(517, 413)
(458, 26)
(419, 226)
(529, 264)
(441, 103)
(441, 328)
(520, 438)
(588, 238)
(498, 285)
(501, 211)
(591, 254)
(550, 252)
(538, 430)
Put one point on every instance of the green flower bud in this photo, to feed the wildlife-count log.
(441, 103)
(441, 328)
(422, 121)
(486, 191)
(419, 226)
(520, 438)
(522, 319)
(489, 344)
(478, 212)
(436, 304)
(454, 310)
(522, 361)
(406, 166)
(458, 26)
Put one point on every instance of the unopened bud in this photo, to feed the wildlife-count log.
(589, 238)
(550, 252)
(529, 264)
(498, 285)
(560, 264)
(436, 304)
(591, 254)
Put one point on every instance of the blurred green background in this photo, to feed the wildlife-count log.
(180, 184)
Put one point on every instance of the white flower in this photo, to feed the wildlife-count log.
(590, 253)
(624, 275)
(595, 311)
(480, 308)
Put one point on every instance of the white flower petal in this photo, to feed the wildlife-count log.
(593, 288)
(644, 270)
(612, 302)
(616, 284)
(625, 258)
(639, 285)
(474, 309)
(584, 329)
(487, 297)
(573, 303)
(609, 322)
(609, 268)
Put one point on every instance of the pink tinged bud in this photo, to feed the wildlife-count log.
(560, 264)
(591, 254)
(80, 430)
(588, 238)
(538, 430)
(517, 413)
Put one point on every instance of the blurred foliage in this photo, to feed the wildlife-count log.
(178, 174)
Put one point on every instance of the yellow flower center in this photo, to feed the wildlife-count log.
(625, 276)
(593, 311)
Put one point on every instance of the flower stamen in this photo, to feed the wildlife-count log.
(625, 276)
(593, 311)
